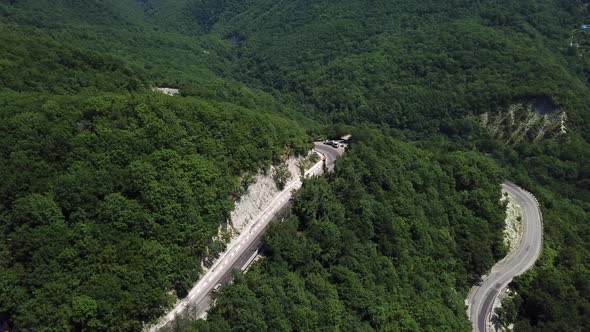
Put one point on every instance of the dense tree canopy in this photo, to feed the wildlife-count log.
(390, 242)
(407, 63)
(110, 194)
(107, 203)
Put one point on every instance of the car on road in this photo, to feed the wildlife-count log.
(216, 288)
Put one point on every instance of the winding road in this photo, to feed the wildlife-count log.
(481, 298)
(241, 251)
(330, 154)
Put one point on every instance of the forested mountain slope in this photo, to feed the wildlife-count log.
(126, 14)
(555, 295)
(33, 61)
(148, 39)
(107, 203)
(420, 68)
(389, 242)
(407, 64)
(110, 193)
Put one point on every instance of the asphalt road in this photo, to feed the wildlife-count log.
(240, 252)
(481, 298)
(199, 306)
(330, 154)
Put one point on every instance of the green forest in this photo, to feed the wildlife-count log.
(108, 202)
(383, 244)
(111, 193)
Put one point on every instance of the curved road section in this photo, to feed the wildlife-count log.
(481, 298)
(330, 154)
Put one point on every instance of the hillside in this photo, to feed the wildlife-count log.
(147, 39)
(406, 64)
(111, 193)
(354, 254)
(33, 61)
(419, 71)
(110, 202)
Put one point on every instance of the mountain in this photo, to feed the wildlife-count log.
(420, 71)
(111, 193)
(404, 63)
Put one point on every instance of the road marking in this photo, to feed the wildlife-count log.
(479, 308)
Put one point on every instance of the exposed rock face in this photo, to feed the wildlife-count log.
(514, 227)
(260, 193)
(529, 120)
(168, 91)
